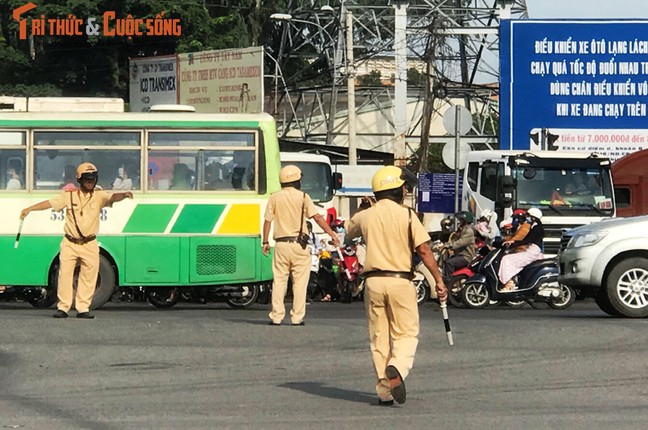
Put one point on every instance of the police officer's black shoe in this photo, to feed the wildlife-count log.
(299, 323)
(60, 314)
(273, 323)
(385, 402)
(85, 315)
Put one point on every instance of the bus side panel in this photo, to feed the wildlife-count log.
(152, 260)
(223, 259)
(265, 264)
(36, 253)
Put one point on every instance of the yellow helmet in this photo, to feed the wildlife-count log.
(290, 173)
(391, 177)
(86, 170)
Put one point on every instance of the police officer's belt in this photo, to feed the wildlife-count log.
(287, 239)
(388, 274)
(80, 241)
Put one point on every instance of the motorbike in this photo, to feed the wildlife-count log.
(236, 296)
(423, 280)
(38, 297)
(348, 274)
(537, 282)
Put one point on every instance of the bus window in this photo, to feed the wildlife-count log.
(55, 151)
(12, 160)
(202, 161)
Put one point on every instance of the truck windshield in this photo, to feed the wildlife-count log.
(566, 191)
(316, 180)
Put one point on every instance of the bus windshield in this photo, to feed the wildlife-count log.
(316, 180)
(565, 191)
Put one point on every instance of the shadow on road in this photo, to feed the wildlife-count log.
(319, 389)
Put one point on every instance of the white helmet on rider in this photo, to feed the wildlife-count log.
(535, 213)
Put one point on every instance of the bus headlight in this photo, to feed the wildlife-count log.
(586, 239)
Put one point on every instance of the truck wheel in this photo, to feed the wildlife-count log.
(627, 287)
(475, 296)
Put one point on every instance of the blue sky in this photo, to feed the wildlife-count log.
(587, 8)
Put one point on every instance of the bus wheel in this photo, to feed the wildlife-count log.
(105, 284)
(249, 296)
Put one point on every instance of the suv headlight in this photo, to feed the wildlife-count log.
(586, 239)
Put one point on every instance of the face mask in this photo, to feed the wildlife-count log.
(120, 172)
(339, 229)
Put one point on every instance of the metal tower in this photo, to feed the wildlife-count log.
(453, 43)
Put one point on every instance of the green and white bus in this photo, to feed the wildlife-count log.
(200, 185)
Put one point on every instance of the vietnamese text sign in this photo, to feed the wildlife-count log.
(436, 192)
(153, 80)
(223, 81)
(585, 76)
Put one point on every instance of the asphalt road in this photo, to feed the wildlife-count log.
(212, 367)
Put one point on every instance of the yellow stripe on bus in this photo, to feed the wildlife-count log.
(242, 219)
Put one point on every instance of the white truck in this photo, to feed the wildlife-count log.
(318, 180)
(570, 188)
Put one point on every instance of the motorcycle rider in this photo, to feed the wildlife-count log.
(462, 245)
(524, 250)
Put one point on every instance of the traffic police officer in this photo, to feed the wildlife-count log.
(83, 207)
(289, 208)
(391, 233)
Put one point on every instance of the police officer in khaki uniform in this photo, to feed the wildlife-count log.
(391, 232)
(287, 208)
(83, 207)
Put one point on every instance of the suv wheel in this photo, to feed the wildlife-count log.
(627, 287)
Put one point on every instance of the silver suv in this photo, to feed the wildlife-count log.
(609, 259)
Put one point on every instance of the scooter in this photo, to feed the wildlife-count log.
(38, 297)
(348, 273)
(236, 296)
(538, 281)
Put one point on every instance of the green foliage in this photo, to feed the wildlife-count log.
(371, 80)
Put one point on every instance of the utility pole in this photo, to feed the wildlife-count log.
(400, 86)
(350, 70)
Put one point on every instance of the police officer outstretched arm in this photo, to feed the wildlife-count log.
(83, 210)
(391, 233)
(118, 197)
(45, 204)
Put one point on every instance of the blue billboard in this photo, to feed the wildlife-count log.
(574, 85)
(436, 192)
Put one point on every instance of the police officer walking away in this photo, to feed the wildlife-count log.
(289, 208)
(83, 207)
(391, 232)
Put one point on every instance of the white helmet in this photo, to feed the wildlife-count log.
(535, 213)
